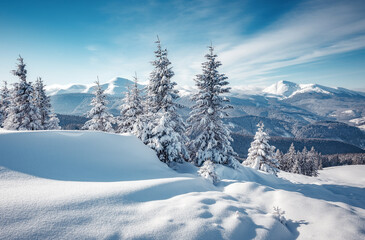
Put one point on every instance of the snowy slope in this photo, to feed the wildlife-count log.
(284, 100)
(286, 89)
(91, 185)
(282, 88)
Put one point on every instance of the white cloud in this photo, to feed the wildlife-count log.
(311, 32)
(91, 48)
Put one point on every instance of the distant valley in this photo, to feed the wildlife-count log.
(287, 109)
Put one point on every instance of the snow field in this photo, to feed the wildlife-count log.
(93, 185)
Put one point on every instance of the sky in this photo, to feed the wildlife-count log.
(259, 42)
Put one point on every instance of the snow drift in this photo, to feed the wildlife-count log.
(80, 156)
(93, 185)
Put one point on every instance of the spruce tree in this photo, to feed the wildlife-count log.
(312, 163)
(279, 156)
(261, 154)
(125, 120)
(101, 119)
(211, 138)
(288, 160)
(4, 102)
(165, 130)
(130, 119)
(23, 113)
(207, 170)
(300, 166)
(53, 122)
(43, 103)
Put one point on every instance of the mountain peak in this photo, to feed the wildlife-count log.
(116, 86)
(286, 89)
(282, 88)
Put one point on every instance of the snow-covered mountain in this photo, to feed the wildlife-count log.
(282, 89)
(286, 89)
(115, 87)
(286, 106)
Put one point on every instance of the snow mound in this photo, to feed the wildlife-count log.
(80, 156)
(94, 185)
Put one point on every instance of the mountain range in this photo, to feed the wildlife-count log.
(286, 108)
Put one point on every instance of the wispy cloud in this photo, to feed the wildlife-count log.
(312, 31)
(91, 48)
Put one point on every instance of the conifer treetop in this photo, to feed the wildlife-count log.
(261, 153)
(21, 72)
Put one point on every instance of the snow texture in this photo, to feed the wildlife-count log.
(95, 185)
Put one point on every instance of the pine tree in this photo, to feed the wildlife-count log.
(125, 120)
(288, 160)
(53, 122)
(207, 170)
(43, 103)
(279, 156)
(100, 120)
(22, 113)
(312, 163)
(261, 153)
(300, 166)
(211, 138)
(165, 130)
(4, 102)
(130, 119)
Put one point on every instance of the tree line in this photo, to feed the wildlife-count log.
(25, 106)
(151, 115)
(343, 159)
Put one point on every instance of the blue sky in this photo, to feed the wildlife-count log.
(259, 42)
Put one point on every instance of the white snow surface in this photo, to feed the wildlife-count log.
(116, 86)
(94, 185)
(286, 89)
(282, 89)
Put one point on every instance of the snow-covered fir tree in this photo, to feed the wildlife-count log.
(261, 154)
(207, 170)
(279, 156)
(53, 122)
(299, 166)
(304, 162)
(210, 137)
(22, 113)
(101, 119)
(43, 103)
(316, 158)
(4, 102)
(130, 119)
(165, 129)
(311, 164)
(125, 120)
(166, 141)
(287, 162)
